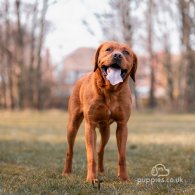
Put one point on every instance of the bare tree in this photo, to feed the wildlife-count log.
(150, 42)
(21, 46)
(2, 72)
(124, 13)
(8, 57)
(165, 15)
(168, 68)
(40, 45)
(20, 55)
(119, 18)
(187, 30)
(31, 73)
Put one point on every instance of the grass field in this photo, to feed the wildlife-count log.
(32, 151)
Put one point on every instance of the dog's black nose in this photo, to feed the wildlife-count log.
(117, 56)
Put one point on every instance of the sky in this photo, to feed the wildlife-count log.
(67, 31)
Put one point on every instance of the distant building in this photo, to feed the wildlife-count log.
(76, 64)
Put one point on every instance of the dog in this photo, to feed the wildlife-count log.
(101, 98)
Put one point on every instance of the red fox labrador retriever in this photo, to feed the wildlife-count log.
(101, 98)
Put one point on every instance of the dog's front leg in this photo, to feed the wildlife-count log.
(90, 141)
(121, 136)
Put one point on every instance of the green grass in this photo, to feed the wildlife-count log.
(32, 151)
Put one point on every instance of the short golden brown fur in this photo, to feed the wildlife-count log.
(99, 103)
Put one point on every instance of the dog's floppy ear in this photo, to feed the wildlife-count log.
(96, 57)
(134, 68)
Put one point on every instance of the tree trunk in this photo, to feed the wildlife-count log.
(31, 73)
(168, 69)
(19, 54)
(8, 57)
(152, 100)
(39, 62)
(4, 103)
(187, 26)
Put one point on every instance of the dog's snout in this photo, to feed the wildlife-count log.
(117, 56)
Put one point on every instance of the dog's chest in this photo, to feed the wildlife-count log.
(105, 111)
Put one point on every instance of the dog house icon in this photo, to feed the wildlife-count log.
(159, 170)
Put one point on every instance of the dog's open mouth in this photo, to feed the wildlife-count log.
(105, 70)
(114, 73)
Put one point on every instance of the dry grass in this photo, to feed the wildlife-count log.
(32, 150)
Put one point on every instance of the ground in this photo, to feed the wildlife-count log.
(32, 151)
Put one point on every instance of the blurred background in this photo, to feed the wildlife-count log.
(45, 46)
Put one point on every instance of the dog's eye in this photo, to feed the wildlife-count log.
(126, 52)
(108, 49)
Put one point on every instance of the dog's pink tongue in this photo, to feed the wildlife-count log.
(114, 76)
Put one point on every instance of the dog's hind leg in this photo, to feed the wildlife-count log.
(74, 122)
(105, 134)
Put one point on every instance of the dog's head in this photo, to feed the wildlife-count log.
(116, 55)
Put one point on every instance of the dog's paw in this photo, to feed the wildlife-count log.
(123, 177)
(96, 183)
(66, 173)
(91, 178)
(101, 173)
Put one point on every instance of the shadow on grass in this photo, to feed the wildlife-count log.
(35, 167)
